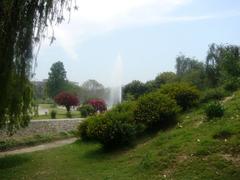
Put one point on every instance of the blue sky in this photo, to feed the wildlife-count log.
(148, 34)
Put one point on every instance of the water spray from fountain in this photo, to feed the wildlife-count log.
(116, 83)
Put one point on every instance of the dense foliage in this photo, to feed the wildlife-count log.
(22, 26)
(214, 109)
(114, 128)
(99, 105)
(185, 94)
(156, 110)
(56, 79)
(86, 110)
(67, 100)
(53, 114)
(213, 94)
(133, 90)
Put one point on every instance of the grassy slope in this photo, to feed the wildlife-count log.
(188, 151)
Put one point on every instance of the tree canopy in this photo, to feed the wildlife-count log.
(56, 79)
(22, 26)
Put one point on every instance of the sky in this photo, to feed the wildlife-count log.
(147, 34)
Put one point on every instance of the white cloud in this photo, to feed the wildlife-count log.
(95, 17)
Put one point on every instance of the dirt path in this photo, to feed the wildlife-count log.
(39, 147)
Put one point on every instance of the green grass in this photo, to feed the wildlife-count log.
(61, 113)
(195, 149)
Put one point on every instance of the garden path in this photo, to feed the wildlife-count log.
(39, 147)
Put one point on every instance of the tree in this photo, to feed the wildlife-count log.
(165, 77)
(190, 70)
(22, 26)
(214, 56)
(135, 89)
(185, 64)
(56, 79)
(222, 63)
(92, 89)
(98, 105)
(67, 100)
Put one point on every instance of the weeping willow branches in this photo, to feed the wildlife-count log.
(23, 23)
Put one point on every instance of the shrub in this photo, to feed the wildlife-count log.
(232, 84)
(214, 109)
(82, 129)
(53, 114)
(99, 105)
(186, 95)
(86, 110)
(213, 94)
(156, 110)
(114, 128)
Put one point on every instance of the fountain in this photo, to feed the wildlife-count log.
(115, 96)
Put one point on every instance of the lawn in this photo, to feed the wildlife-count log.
(61, 112)
(194, 149)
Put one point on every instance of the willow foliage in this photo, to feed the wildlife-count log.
(23, 23)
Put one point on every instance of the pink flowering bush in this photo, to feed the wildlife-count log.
(98, 105)
(67, 100)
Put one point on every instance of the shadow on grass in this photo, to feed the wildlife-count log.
(13, 161)
(100, 152)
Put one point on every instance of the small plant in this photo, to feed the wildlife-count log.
(86, 110)
(53, 114)
(214, 109)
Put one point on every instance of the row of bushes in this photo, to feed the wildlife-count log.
(124, 122)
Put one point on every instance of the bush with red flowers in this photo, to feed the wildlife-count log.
(98, 105)
(67, 100)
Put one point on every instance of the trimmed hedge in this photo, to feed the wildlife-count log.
(186, 95)
(156, 110)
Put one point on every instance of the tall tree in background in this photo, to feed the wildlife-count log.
(190, 70)
(134, 89)
(165, 77)
(91, 89)
(213, 60)
(22, 26)
(56, 79)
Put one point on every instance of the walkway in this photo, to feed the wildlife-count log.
(39, 147)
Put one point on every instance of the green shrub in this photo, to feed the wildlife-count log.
(82, 129)
(213, 94)
(86, 110)
(53, 114)
(214, 109)
(111, 129)
(156, 110)
(232, 84)
(114, 128)
(186, 95)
